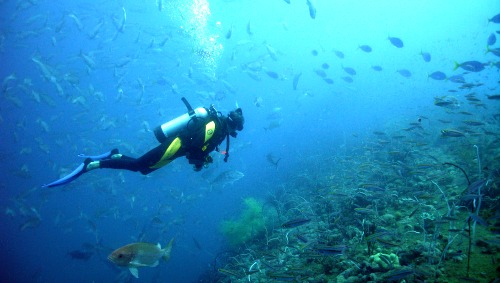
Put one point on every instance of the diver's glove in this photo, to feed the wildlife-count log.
(208, 160)
(198, 164)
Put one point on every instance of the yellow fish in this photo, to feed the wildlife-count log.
(140, 255)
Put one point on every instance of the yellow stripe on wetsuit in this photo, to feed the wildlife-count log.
(171, 150)
(177, 143)
(209, 133)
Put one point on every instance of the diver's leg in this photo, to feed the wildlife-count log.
(143, 163)
(117, 161)
(103, 156)
(152, 157)
(149, 162)
(87, 165)
(161, 155)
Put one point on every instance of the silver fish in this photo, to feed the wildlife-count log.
(137, 255)
(226, 178)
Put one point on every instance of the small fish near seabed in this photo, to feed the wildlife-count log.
(81, 254)
(459, 79)
(295, 222)
(447, 102)
(494, 96)
(137, 255)
(452, 133)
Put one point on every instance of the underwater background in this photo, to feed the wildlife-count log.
(370, 151)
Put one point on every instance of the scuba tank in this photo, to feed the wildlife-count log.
(175, 126)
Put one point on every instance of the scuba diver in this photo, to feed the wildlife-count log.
(194, 135)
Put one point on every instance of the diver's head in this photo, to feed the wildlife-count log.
(235, 121)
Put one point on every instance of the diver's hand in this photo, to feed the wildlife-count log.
(209, 159)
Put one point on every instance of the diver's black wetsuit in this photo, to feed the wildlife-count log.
(193, 147)
(199, 137)
(142, 163)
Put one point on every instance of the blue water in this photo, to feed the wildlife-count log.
(133, 78)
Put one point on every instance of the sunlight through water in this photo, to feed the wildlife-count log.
(206, 46)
